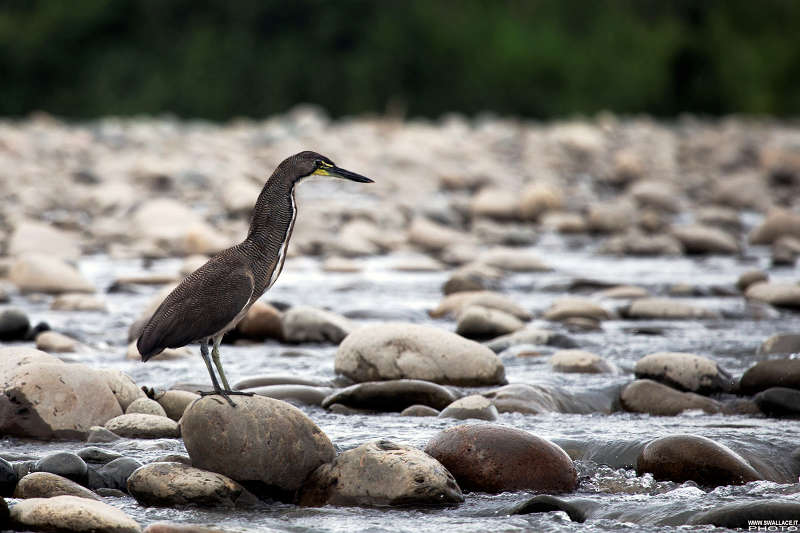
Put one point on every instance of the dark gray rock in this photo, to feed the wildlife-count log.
(682, 458)
(535, 336)
(93, 454)
(537, 399)
(771, 373)
(779, 402)
(261, 441)
(115, 474)
(393, 395)
(64, 464)
(14, 325)
(685, 371)
(491, 458)
(647, 396)
(381, 473)
(741, 515)
(782, 343)
(99, 434)
(8, 478)
(544, 503)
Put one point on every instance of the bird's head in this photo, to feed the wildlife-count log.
(310, 163)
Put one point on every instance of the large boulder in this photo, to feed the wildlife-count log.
(167, 484)
(48, 400)
(71, 513)
(398, 350)
(393, 395)
(45, 273)
(381, 473)
(771, 373)
(491, 458)
(309, 324)
(685, 371)
(261, 441)
(682, 458)
(647, 396)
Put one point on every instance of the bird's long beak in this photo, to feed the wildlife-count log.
(337, 172)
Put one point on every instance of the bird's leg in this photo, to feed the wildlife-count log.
(214, 382)
(218, 364)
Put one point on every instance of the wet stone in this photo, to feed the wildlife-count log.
(143, 426)
(8, 478)
(453, 304)
(55, 342)
(742, 516)
(667, 309)
(491, 458)
(531, 335)
(302, 394)
(647, 396)
(262, 321)
(381, 473)
(168, 484)
(47, 485)
(278, 379)
(545, 503)
(780, 402)
(309, 324)
(100, 434)
(771, 373)
(419, 410)
(175, 402)
(682, 458)
(581, 361)
(122, 386)
(573, 307)
(14, 325)
(474, 406)
(685, 371)
(173, 458)
(393, 395)
(777, 294)
(70, 513)
(64, 464)
(749, 278)
(699, 239)
(48, 274)
(94, 454)
(476, 322)
(168, 527)
(115, 474)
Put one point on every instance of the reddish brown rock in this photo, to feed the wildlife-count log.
(492, 458)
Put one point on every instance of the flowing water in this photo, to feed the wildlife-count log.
(604, 446)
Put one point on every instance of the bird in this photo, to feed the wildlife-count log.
(210, 301)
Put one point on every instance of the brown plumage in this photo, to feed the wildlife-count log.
(211, 300)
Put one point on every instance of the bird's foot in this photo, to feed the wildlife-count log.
(226, 394)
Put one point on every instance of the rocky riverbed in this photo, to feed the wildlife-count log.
(517, 326)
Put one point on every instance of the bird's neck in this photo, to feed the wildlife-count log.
(273, 212)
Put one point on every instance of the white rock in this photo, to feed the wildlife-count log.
(42, 273)
(71, 513)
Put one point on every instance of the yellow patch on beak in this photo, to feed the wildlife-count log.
(321, 172)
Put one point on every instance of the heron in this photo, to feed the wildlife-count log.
(210, 301)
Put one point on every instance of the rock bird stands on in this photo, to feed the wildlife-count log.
(211, 300)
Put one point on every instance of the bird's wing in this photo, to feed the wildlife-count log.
(202, 305)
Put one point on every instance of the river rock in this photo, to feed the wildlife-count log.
(778, 223)
(537, 399)
(777, 294)
(682, 458)
(666, 309)
(749, 278)
(8, 478)
(260, 440)
(611, 217)
(781, 343)
(685, 371)
(55, 342)
(513, 260)
(47, 400)
(477, 322)
(262, 321)
(433, 236)
(174, 227)
(64, 464)
(175, 402)
(279, 379)
(46, 273)
(656, 194)
(491, 458)
(145, 406)
(531, 335)
(71, 513)
(14, 325)
(771, 373)
(474, 406)
(544, 503)
(144, 426)
(381, 473)
(122, 385)
(303, 394)
(472, 277)
(779, 402)
(99, 434)
(413, 351)
(742, 516)
(95, 454)
(581, 361)
(47, 485)
(494, 202)
(309, 324)
(537, 198)
(36, 237)
(623, 292)
(419, 410)
(169, 527)
(574, 307)
(394, 395)
(168, 484)
(699, 239)
(454, 304)
(647, 396)
(785, 251)
(78, 302)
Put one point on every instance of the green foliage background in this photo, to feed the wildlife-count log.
(538, 58)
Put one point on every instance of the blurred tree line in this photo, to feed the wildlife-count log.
(539, 58)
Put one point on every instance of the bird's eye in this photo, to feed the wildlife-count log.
(318, 163)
